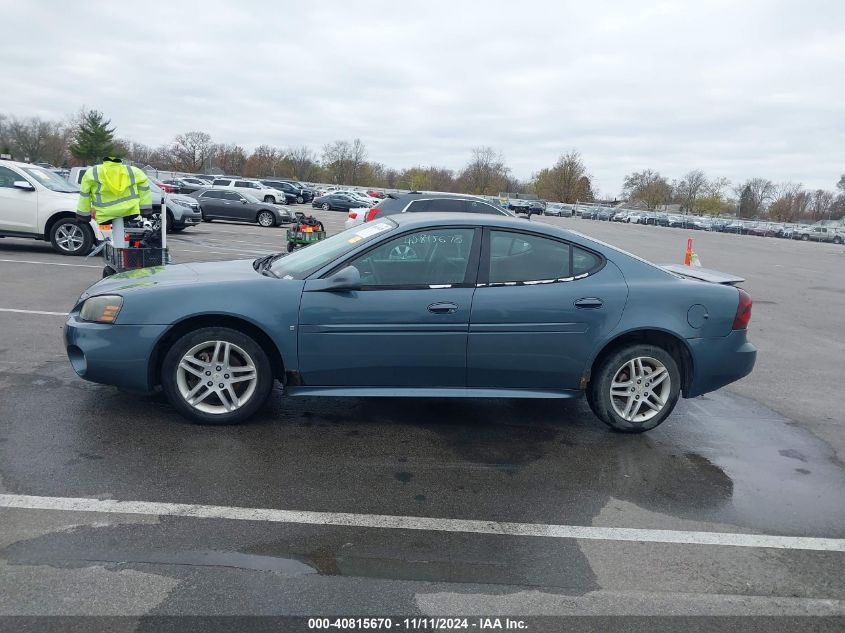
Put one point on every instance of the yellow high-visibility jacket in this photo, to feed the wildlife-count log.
(114, 190)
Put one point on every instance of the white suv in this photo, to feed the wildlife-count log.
(37, 203)
(253, 187)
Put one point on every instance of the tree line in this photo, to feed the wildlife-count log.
(88, 136)
(753, 198)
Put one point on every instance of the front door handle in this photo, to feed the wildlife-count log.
(443, 308)
(589, 303)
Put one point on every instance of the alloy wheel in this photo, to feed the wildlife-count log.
(69, 237)
(265, 218)
(640, 389)
(216, 377)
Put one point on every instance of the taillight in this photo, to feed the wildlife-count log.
(743, 310)
(352, 215)
(371, 214)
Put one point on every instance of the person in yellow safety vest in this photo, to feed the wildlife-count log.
(113, 190)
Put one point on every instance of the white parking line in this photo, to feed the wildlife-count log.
(32, 312)
(383, 521)
(28, 261)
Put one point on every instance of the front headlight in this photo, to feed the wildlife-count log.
(101, 309)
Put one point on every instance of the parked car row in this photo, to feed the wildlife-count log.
(816, 232)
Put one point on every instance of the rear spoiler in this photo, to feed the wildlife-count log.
(703, 274)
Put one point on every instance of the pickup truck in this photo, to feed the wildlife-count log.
(834, 234)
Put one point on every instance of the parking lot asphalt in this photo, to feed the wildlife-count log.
(759, 460)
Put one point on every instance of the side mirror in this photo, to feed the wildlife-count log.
(23, 184)
(348, 278)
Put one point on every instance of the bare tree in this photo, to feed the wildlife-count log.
(303, 162)
(485, 174)
(821, 204)
(567, 181)
(343, 161)
(28, 137)
(229, 158)
(648, 187)
(791, 203)
(689, 188)
(192, 151)
(136, 152)
(265, 160)
(715, 187)
(754, 196)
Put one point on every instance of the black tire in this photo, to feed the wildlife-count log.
(266, 219)
(170, 365)
(299, 199)
(599, 397)
(60, 237)
(805, 238)
(837, 240)
(205, 218)
(291, 246)
(269, 199)
(326, 206)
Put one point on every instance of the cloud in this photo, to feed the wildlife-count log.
(737, 89)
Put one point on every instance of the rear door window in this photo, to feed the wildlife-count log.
(519, 257)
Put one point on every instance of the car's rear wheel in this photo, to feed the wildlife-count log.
(70, 238)
(326, 206)
(635, 388)
(266, 219)
(216, 375)
(805, 238)
(300, 199)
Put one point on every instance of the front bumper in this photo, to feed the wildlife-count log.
(717, 362)
(116, 355)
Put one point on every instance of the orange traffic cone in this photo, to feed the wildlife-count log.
(691, 258)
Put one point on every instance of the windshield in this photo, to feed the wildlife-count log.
(303, 262)
(48, 179)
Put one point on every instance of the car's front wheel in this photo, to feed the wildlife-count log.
(300, 199)
(269, 199)
(70, 238)
(326, 206)
(266, 219)
(216, 375)
(635, 388)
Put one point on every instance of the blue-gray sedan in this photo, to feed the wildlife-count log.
(462, 305)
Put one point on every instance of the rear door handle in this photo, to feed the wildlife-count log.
(443, 308)
(589, 302)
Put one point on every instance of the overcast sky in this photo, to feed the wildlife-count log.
(738, 89)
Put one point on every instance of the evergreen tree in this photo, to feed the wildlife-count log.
(747, 208)
(94, 138)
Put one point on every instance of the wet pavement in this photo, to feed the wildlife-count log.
(722, 463)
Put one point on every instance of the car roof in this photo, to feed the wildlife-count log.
(411, 220)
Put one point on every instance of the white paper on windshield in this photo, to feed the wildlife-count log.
(374, 230)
